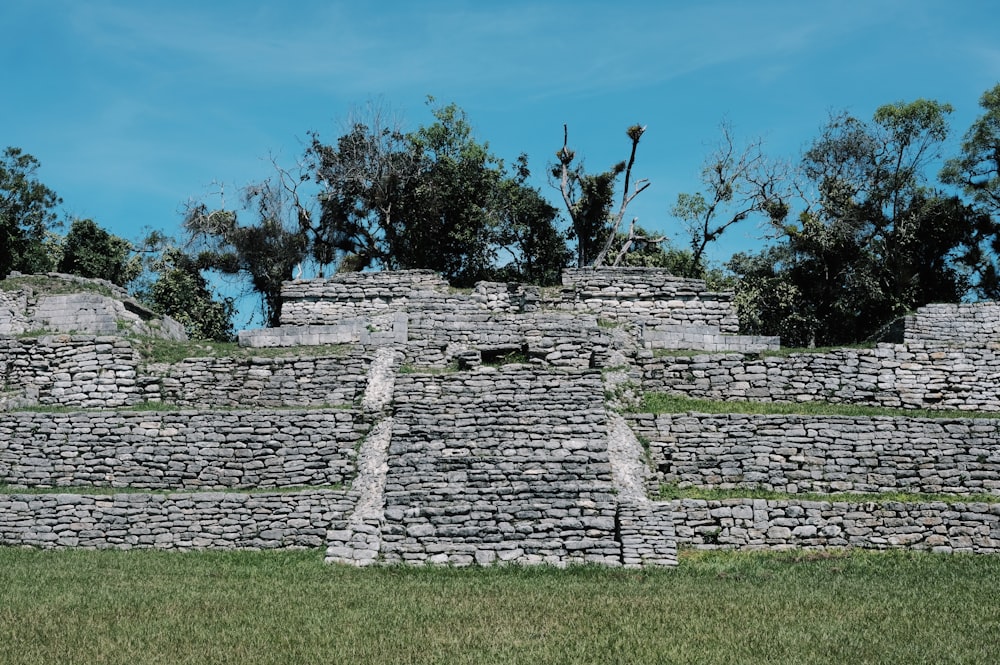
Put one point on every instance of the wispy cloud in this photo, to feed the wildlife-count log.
(548, 49)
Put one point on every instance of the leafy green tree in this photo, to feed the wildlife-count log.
(528, 231)
(879, 243)
(434, 198)
(767, 299)
(181, 292)
(265, 251)
(26, 214)
(449, 222)
(90, 251)
(364, 178)
(977, 171)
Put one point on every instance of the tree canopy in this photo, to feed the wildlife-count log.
(861, 232)
(876, 242)
(26, 214)
(434, 198)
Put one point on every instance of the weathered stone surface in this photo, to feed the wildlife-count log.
(825, 453)
(174, 450)
(488, 466)
(171, 521)
(758, 523)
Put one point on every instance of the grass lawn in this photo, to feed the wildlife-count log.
(249, 607)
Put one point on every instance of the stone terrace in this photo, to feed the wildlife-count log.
(405, 448)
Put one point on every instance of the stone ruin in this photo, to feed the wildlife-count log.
(93, 306)
(409, 422)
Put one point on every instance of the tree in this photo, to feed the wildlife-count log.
(977, 171)
(528, 232)
(90, 251)
(589, 198)
(181, 292)
(878, 242)
(26, 214)
(265, 251)
(449, 223)
(767, 299)
(738, 183)
(434, 198)
(365, 178)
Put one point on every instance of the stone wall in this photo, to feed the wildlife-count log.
(377, 330)
(499, 466)
(184, 449)
(370, 294)
(966, 324)
(768, 524)
(69, 370)
(648, 293)
(891, 375)
(558, 340)
(704, 338)
(823, 454)
(358, 295)
(293, 381)
(106, 372)
(183, 521)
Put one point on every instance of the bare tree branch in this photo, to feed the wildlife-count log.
(635, 133)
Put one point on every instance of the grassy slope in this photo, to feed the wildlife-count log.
(246, 607)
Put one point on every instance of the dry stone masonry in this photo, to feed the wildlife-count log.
(782, 525)
(909, 376)
(825, 454)
(183, 449)
(182, 521)
(473, 427)
(104, 309)
(69, 371)
(961, 324)
(499, 466)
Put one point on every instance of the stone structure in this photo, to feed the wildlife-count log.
(180, 450)
(824, 454)
(69, 371)
(184, 521)
(962, 324)
(103, 309)
(781, 525)
(908, 376)
(496, 466)
(323, 380)
(473, 428)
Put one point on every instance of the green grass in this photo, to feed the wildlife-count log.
(152, 607)
(45, 285)
(669, 492)
(666, 403)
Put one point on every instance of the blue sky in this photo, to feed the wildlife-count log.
(135, 107)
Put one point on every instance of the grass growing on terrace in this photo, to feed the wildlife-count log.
(45, 285)
(665, 403)
(280, 607)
